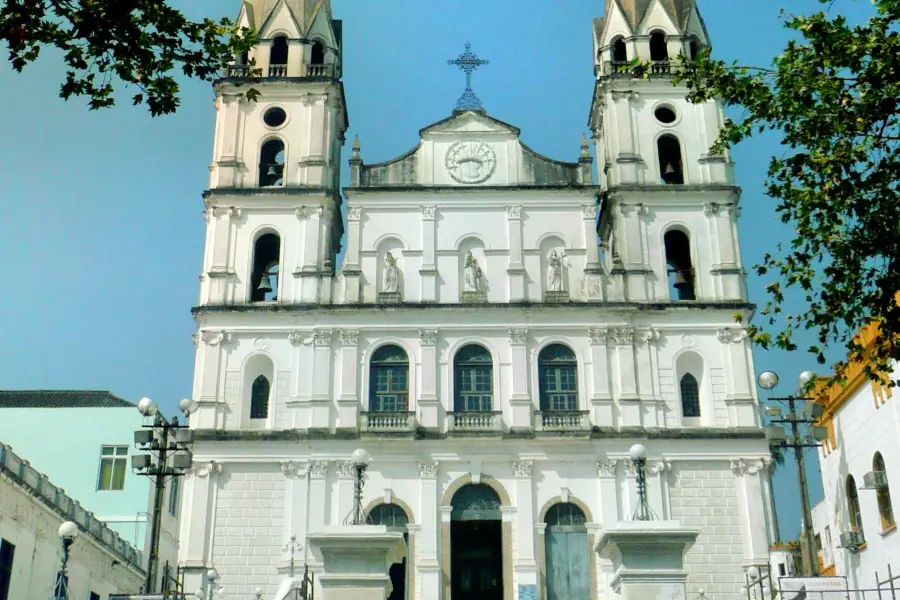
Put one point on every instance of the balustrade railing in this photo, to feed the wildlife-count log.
(238, 70)
(386, 422)
(476, 421)
(319, 70)
(277, 70)
(563, 420)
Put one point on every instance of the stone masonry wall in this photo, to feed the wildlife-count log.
(707, 499)
(249, 525)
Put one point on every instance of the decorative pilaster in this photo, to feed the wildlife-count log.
(427, 541)
(742, 411)
(208, 369)
(429, 406)
(658, 472)
(348, 400)
(602, 409)
(526, 563)
(627, 161)
(321, 379)
(750, 474)
(352, 270)
(647, 361)
(629, 400)
(198, 513)
(429, 272)
(589, 221)
(520, 401)
(633, 252)
(608, 489)
(726, 267)
(309, 271)
(515, 271)
(296, 492)
(318, 502)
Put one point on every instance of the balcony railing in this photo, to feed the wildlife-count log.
(475, 421)
(563, 420)
(658, 68)
(277, 70)
(319, 70)
(388, 422)
(246, 71)
(238, 70)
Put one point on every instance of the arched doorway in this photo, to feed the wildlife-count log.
(476, 547)
(567, 552)
(395, 519)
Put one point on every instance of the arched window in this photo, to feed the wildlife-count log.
(558, 378)
(264, 280)
(395, 519)
(619, 51)
(853, 505)
(271, 164)
(279, 53)
(883, 493)
(659, 49)
(259, 398)
(694, 48)
(473, 371)
(567, 552)
(679, 266)
(690, 397)
(671, 167)
(317, 55)
(389, 380)
(242, 59)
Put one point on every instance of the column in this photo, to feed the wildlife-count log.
(627, 158)
(348, 398)
(209, 361)
(446, 513)
(608, 501)
(318, 479)
(429, 272)
(726, 268)
(427, 562)
(602, 410)
(516, 270)
(296, 500)
(346, 473)
(352, 270)
(296, 50)
(658, 487)
(321, 375)
(540, 531)
(429, 413)
(629, 400)
(525, 563)
(631, 250)
(592, 269)
(752, 501)
(742, 410)
(198, 512)
(309, 271)
(520, 401)
(645, 341)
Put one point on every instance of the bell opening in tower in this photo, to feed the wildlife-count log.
(659, 50)
(265, 278)
(671, 168)
(680, 267)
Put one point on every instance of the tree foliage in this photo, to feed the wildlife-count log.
(143, 43)
(832, 96)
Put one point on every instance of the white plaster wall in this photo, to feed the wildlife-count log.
(861, 430)
(32, 528)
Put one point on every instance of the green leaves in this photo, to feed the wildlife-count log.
(105, 43)
(832, 95)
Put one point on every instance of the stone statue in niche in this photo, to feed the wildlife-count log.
(391, 279)
(473, 274)
(554, 272)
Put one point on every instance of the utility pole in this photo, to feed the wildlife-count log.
(797, 441)
(163, 440)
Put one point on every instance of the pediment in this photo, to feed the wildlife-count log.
(470, 122)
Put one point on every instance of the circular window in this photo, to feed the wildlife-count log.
(275, 117)
(665, 114)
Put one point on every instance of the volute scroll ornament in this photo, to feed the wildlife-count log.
(598, 336)
(428, 469)
(517, 336)
(607, 468)
(428, 337)
(523, 468)
(318, 468)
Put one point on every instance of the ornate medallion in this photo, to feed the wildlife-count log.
(471, 162)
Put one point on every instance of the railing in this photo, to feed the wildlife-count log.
(658, 68)
(476, 421)
(661, 68)
(387, 422)
(238, 70)
(563, 420)
(25, 475)
(277, 70)
(319, 70)
(245, 71)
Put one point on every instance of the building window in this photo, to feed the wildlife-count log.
(389, 380)
(473, 371)
(271, 164)
(619, 51)
(279, 53)
(694, 48)
(671, 167)
(853, 505)
(690, 397)
(659, 49)
(317, 56)
(558, 378)
(265, 278)
(7, 554)
(173, 496)
(679, 268)
(259, 398)
(883, 494)
(113, 465)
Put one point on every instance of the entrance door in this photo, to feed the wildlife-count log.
(476, 548)
(567, 554)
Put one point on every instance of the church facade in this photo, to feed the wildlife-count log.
(501, 329)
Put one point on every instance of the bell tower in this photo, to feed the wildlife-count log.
(273, 205)
(669, 224)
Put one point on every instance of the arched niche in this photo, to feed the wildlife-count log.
(256, 366)
(395, 247)
(689, 365)
(547, 247)
(477, 247)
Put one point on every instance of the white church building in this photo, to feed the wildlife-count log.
(502, 328)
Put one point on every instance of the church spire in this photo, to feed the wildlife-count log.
(304, 11)
(679, 11)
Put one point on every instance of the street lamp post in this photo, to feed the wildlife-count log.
(68, 531)
(638, 454)
(797, 441)
(162, 440)
(360, 459)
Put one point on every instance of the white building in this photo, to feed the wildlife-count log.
(495, 360)
(855, 523)
(32, 509)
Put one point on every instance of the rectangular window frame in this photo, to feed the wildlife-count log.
(7, 558)
(112, 478)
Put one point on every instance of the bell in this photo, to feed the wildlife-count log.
(680, 279)
(264, 284)
(274, 171)
(670, 170)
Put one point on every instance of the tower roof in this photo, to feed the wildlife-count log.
(304, 11)
(635, 10)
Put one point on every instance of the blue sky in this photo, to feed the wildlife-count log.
(102, 238)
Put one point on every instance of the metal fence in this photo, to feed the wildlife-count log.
(766, 587)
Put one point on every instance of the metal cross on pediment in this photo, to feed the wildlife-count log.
(468, 62)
